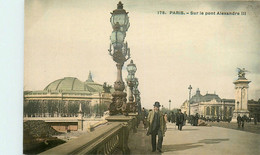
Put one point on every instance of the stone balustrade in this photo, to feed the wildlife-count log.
(107, 139)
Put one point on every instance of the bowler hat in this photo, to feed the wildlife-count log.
(157, 104)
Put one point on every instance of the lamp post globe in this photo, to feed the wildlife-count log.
(120, 16)
(131, 68)
(117, 39)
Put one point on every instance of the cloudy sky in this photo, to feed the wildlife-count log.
(66, 38)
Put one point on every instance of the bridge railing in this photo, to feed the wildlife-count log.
(103, 140)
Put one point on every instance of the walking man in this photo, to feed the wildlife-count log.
(244, 118)
(179, 120)
(157, 126)
(239, 120)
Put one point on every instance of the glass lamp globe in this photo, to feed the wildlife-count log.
(120, 16)
(131, 68)
(117, 39)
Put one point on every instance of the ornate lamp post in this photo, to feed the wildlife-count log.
(137, 96)
(131, 68)
(189, 98)
(120, 54)
(170, 104)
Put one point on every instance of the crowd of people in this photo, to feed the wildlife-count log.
(155, 121)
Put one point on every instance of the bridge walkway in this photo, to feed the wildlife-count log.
(197, 140)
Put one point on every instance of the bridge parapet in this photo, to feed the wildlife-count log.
(104, 140)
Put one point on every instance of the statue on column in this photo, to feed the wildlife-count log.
(241, 72)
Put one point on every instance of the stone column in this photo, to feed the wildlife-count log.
(241, 98)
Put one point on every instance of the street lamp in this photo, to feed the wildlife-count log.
(189, 98)
(170, 104)
(120, 54)
(131, 68)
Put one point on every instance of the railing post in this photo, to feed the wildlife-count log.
(123, 139)
(134, 122)
(128, 123)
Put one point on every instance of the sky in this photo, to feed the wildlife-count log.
(66, 38)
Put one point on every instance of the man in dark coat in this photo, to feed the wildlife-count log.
(255, 120)
(244, 118)
(179, 120)
(173, 117)
(157, 126)
(196, 119)
(239, 120)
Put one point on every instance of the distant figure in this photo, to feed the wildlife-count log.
(196, 119)
(185, 118)
(218, 119)
(255, 120)
(239, 120)
(144, 117)
(192, 120)
(173, 117)
(244, 118)
(168, 117)
(229, 119)
(179, 119)
(157, 126)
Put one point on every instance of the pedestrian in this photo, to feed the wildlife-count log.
(185, 118)
(255, 120)
(144, 118)
(157, 126)
(196, 119)
(168, 117)
(173, 117)
(239, 120)
(179, 119)
(244, 118)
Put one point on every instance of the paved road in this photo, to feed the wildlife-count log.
(201, 140)
(249, 127)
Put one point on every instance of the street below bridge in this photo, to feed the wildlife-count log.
(198, 140)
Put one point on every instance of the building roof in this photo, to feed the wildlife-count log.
(209, 97)
(204, 98)
(74, 84)
(67, 83)
(197, 97)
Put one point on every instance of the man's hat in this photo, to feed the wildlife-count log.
(157, 104)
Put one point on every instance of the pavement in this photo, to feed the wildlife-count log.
(248, 127)
(201, 140)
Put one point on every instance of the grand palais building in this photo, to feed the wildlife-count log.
(62, 98)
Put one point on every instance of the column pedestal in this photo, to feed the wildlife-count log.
(241, 98)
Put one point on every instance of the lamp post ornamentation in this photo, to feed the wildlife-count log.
(120, 54)
(131, 82)
(189, 98)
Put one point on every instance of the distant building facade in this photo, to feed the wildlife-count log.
(209, 106)
(62, 97)
(254, 109)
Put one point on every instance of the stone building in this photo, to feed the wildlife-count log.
(254, 109)
(209, 105)
(62, 97)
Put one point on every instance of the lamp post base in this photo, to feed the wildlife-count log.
(118, 105)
